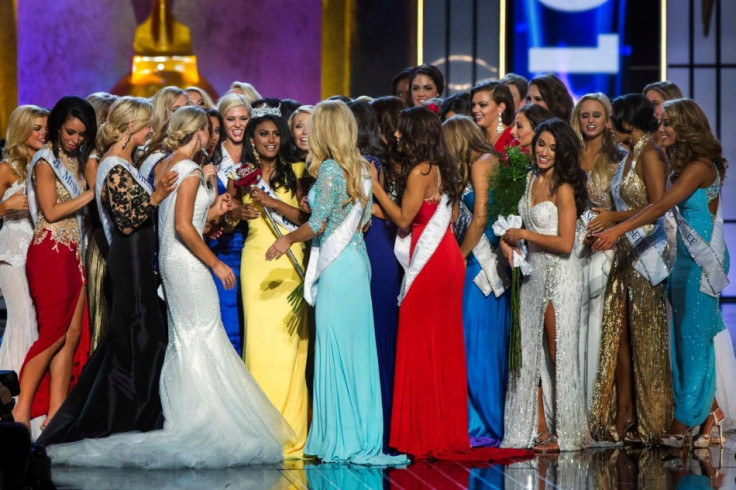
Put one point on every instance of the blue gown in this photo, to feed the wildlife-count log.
(696, 318)
(385, 285)
(347, 422)
(228, 248)
(486, 326)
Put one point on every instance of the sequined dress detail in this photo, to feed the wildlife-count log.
(631, 300)
(556, 279)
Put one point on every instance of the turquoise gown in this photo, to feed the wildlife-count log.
(486, 326)
(347, 421)
(696, 318)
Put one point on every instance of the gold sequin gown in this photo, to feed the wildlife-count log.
(629, 296)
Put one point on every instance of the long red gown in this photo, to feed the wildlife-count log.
(430, 408)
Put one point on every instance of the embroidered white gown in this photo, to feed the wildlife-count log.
(555, 279)
(21, 330)
(215, 414)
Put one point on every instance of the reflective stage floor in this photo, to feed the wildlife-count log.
(613, 468)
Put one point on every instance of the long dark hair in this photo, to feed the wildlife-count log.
(387, 111)
(555, 95)
(567, 168)
(216, 156)
(65, 108)
(369, 137)
(284, 174)
(422, 141)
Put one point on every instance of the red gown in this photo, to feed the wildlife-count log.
(55, 280)
(430, 408)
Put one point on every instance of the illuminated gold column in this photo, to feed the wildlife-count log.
(8, 63)
(338, 20)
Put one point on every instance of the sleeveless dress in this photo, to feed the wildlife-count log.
(215, 414)
(385, 285)
(55, 270)
(629, 295)
(486, 327)
(347, 424)
(696, 316)
(596, 268)
(119, 389)
(229, 249)
(20, 327)
(276, 339)
(555, 279)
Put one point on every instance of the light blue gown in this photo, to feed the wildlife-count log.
(486, 326)
(696, 318)
(347, 422)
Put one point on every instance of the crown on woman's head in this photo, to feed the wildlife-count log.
(265, 110)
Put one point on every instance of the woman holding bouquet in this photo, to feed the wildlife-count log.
(545, 406)
(276, 334)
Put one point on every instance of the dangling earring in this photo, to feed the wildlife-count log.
(499, 126)
(127, 141)
(255, 153)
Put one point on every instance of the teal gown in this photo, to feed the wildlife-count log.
(347, 421)
(696, 318)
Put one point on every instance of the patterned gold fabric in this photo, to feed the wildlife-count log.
(96, 303)
(632, 302)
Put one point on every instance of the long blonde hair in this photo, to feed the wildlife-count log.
(160, 118)
(101, 102)
(462, 137)
(182, 126)
(208, 103)
(694, 139)
(333, 135)
(20, 127)
(603, 167)
(124, 110)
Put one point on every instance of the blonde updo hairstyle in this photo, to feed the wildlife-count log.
(183, 125)
(124, 112)
(302, 109)
(230, 101)
(101, 102)
(333, 135)
(20, 127)
(246, 90)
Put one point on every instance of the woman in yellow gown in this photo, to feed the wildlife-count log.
(276, 338)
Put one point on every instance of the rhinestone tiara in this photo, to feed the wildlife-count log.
(265, 110)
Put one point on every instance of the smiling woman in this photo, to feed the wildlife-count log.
(426, 82)
(276, 336)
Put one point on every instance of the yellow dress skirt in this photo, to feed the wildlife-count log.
(276, 340)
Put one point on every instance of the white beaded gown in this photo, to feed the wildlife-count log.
(215, 414)
(555, 279)
(21, 330)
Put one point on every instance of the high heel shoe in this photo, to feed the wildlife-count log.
(707, 440)
(676, 440)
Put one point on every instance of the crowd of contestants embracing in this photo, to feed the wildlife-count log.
(167, 263)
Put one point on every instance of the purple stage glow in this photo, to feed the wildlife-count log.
(76, 47)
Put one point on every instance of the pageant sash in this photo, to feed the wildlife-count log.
(708, 256)
(150, 162)
(65, 177)
(277, 217)
(226, 169)
(108, 164)
(426, 245)
(322, 255)
(649, 248)
(488, 278)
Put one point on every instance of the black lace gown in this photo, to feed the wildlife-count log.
(118, 390)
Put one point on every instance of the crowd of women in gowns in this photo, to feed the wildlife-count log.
(167, 263)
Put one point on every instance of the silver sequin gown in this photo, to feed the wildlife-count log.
(215, 413)
(557, 279)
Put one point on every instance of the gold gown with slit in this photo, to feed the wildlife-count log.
(631, 296)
